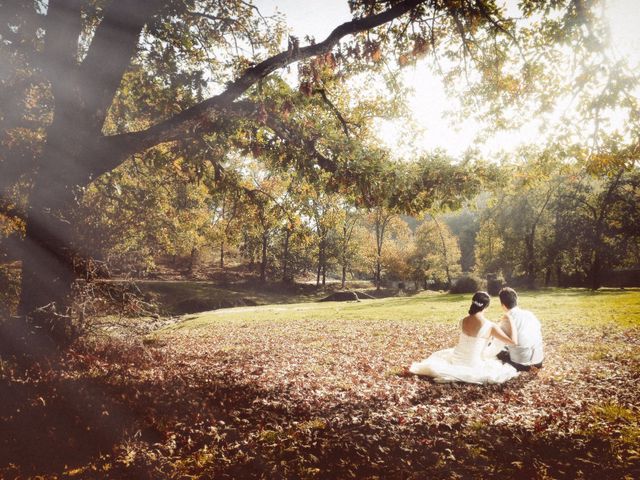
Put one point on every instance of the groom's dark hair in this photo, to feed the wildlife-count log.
(508, 297)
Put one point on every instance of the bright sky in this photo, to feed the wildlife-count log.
(429, 102)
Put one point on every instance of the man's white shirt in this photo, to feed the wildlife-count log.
(529, 350)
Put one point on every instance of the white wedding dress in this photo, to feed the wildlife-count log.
(472, 360)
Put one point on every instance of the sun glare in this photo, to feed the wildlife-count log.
(434, 112)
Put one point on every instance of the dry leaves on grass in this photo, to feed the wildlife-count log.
(307, 399)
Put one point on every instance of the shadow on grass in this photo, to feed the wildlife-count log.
(49, 426)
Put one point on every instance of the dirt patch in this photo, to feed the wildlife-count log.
(347, 296)
(196, 305)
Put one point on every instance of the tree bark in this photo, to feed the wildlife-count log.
(595, 272)
(263, 262)
(82, 95)
(344, 277)
(444, 251)
(193, 260)
(530, 263)
(320, 262)
(285, 257)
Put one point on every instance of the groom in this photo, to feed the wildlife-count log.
(528, 351)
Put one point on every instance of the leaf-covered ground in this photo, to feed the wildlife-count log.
(321, 391)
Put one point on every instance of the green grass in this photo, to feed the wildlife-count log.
(571, 307)
(321, 390)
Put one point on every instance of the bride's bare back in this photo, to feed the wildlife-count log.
(471, 324)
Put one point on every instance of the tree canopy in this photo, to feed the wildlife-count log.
(101, 95)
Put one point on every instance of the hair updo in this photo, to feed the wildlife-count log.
(479, 302)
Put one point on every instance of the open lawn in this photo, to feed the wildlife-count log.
(321, 391)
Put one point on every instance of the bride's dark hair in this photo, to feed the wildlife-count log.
(479, 302)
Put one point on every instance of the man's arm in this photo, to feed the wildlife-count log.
(509, 328)
(499, 334)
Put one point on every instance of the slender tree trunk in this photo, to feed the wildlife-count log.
(263, 263)
(547, 277)
(595, 272)
(530, 262)
(380, 227)
(324, 274)
(320, 260)
(222, 254)
(285, 257)
(559, 276)
(193, 260)
(444, 251)
(343, 256)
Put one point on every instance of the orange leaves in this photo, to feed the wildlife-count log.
(316, 70)
(420, 47)
(306, 88)
(373, 50)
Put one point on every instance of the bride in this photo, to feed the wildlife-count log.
(472, 359)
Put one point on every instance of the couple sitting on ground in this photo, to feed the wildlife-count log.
(487, 352)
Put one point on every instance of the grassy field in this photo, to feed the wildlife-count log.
(320, 390)
(565, 307)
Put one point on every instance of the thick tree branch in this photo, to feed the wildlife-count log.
(192, 120)
(63, 25)
(109, 55)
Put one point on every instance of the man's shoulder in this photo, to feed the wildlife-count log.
(530, 316)
(522, 313)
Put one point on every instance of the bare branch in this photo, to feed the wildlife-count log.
(335, 110)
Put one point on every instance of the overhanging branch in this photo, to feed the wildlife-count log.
(194, 119)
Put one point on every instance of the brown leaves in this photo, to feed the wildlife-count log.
(332, 399)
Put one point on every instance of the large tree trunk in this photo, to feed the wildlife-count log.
(47, 260)
(47, 267)
(73, 153)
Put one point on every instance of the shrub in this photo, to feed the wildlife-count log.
(466, 284)
(495, 283)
